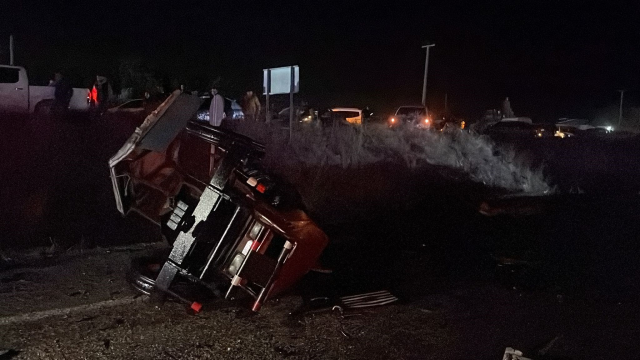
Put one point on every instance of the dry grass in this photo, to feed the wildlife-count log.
(322, 162)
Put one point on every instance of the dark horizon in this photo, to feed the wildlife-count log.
(551, 60)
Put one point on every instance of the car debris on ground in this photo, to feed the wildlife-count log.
(513, 354)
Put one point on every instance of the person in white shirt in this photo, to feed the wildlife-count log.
(216, 114)
(216, 109)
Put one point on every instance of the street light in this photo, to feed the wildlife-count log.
(426, 70)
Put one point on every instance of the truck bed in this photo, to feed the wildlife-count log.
(38, 93)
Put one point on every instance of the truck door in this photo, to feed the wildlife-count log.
(14, 90)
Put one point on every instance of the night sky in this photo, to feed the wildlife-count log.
(553, 59)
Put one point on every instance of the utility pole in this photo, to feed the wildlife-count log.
(292, 87)
(268, 91)
(11, 50)
(426, 70)
(446, 103)
(620, 115)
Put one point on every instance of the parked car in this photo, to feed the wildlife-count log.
(581, 127)
(448, 121)
(234, 229)
(565, 132)
(417, 116)
(135, 106)
(283, 115)
(544, 130)
(342, 116)
(232, 109)
(304, 115)
(514, 128)
(20, 98)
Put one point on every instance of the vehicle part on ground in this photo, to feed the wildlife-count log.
(515, 206)
(377, 298)
(351, 302)
(512, 354)
(230, 224)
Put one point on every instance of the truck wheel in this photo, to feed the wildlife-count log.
(42, 110)
(143, 272)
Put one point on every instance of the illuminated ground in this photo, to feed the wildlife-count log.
(458, 320)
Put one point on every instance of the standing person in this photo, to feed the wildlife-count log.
(507, 112)
(103, 88)
(216, 115)
(251, 106)
(216, 109)
(62, 93)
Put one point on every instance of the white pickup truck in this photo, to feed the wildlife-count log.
(18, 97)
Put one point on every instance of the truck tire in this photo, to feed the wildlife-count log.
(42, 110)
(143, 272)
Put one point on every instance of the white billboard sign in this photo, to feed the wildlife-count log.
(281, 80)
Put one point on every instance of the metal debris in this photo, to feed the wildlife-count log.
(513, 354)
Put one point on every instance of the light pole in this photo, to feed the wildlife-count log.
(426, 71)
(11, 50)
(620, 115)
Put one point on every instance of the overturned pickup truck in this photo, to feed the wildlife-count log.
(231, 226)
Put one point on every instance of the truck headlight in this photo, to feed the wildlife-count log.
(234, 267)
(255, 230)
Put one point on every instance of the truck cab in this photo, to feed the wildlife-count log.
(14, 90)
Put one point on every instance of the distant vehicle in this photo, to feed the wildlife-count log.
(344, 116)
(520, 119)
(411, 115)
(544, 130)
(511, 128)
(581, 127)
(18, 97)
(304, 115)
(599, 130)
(232, 109)
(448, 121)
(283, 114)
(134, 106)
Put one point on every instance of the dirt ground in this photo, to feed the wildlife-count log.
(79, 306)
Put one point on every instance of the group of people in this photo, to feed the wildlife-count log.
(251, 107)
(102, 91)
(99, 95)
